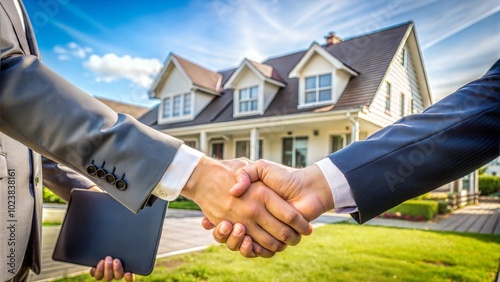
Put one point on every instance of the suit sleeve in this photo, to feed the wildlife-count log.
(56, 119)
(421, 152)
(61, 179)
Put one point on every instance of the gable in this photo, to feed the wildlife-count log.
(175, 82)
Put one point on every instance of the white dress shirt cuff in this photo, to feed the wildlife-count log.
(178, 173)
(342, 195)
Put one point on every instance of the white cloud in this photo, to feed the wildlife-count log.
(111, 67)
(72, 49)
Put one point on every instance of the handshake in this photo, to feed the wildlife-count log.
(261, 207)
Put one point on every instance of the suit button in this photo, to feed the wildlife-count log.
(91, 169)
(121, 184)
(110, 178)
(101, 173)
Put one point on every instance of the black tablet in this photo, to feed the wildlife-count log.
(96, 226)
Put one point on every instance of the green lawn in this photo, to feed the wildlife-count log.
(346, 252)
(184, 205)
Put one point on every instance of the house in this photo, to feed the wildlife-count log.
(493, 167)
(295, 108)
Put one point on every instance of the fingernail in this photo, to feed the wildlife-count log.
(224, 228)
(109, 260)
(237, 230)
(116, 262)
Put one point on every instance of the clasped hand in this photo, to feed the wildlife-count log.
(265, 207)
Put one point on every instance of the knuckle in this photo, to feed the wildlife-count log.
(292, 216)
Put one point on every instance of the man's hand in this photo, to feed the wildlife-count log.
(109, 269)
(306, 189)
(268, 219)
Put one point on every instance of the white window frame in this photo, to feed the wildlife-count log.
(259, 99)
(388, 97)
(404, 57)
(294, 148)
(236, 140)
(317, 90)
(181, 116)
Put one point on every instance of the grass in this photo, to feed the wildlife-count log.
(346, 252)
(51, 223)
(185, 205)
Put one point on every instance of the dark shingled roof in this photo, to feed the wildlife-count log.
(370, 55)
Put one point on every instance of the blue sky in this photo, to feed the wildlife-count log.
(113, 49)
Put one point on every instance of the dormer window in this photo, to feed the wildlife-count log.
(249, 99)
(178, 106)
(318, 89)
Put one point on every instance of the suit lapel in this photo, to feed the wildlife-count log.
(30, 34)
(10, 9)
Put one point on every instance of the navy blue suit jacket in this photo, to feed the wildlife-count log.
(421, 152)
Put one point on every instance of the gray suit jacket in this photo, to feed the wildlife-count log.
(421, 152)
(49, 115)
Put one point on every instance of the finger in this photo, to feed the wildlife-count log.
(235, 239)
(92, 271)
(118, 272)
(246, 248)
(222, 231)
(261, 251)
(288, 215)
(129, 276)
(108, 268)
(248, 174)
(205, 222)
(263, 237)
(99, 270)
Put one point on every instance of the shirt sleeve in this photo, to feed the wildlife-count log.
(343, 198)
(178, 172)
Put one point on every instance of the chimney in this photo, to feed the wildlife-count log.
(331, 38)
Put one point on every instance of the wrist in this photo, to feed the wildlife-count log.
(315, 179)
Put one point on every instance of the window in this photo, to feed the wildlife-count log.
(243, 149)
(318, 88)
(340, 141)
(387, 97)
(177, 106)
(187, 104)
(412, 106)
(166, 108)
(248, 99)
(295, 151)
(190, 143)
(218, 150)
(404, 57)
(402, 104)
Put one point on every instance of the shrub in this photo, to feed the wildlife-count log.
(415, 208)
(50, 197)
(488, 184)
(443, 207)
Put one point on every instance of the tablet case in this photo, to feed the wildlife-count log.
(96, 226)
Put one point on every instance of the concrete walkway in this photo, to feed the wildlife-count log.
(182, 232)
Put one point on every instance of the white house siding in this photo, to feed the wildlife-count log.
(201, 100)
(175, 83)
(270, 91)
(341, 80)
(403, 80)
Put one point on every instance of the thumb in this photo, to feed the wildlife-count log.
(246, 175)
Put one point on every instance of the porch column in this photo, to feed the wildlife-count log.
(203, 142)
(355, 127)
(254, 144)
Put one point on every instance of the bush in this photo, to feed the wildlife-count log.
(50, 197)
(416, 208)
(488, 184)
(443, 207)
